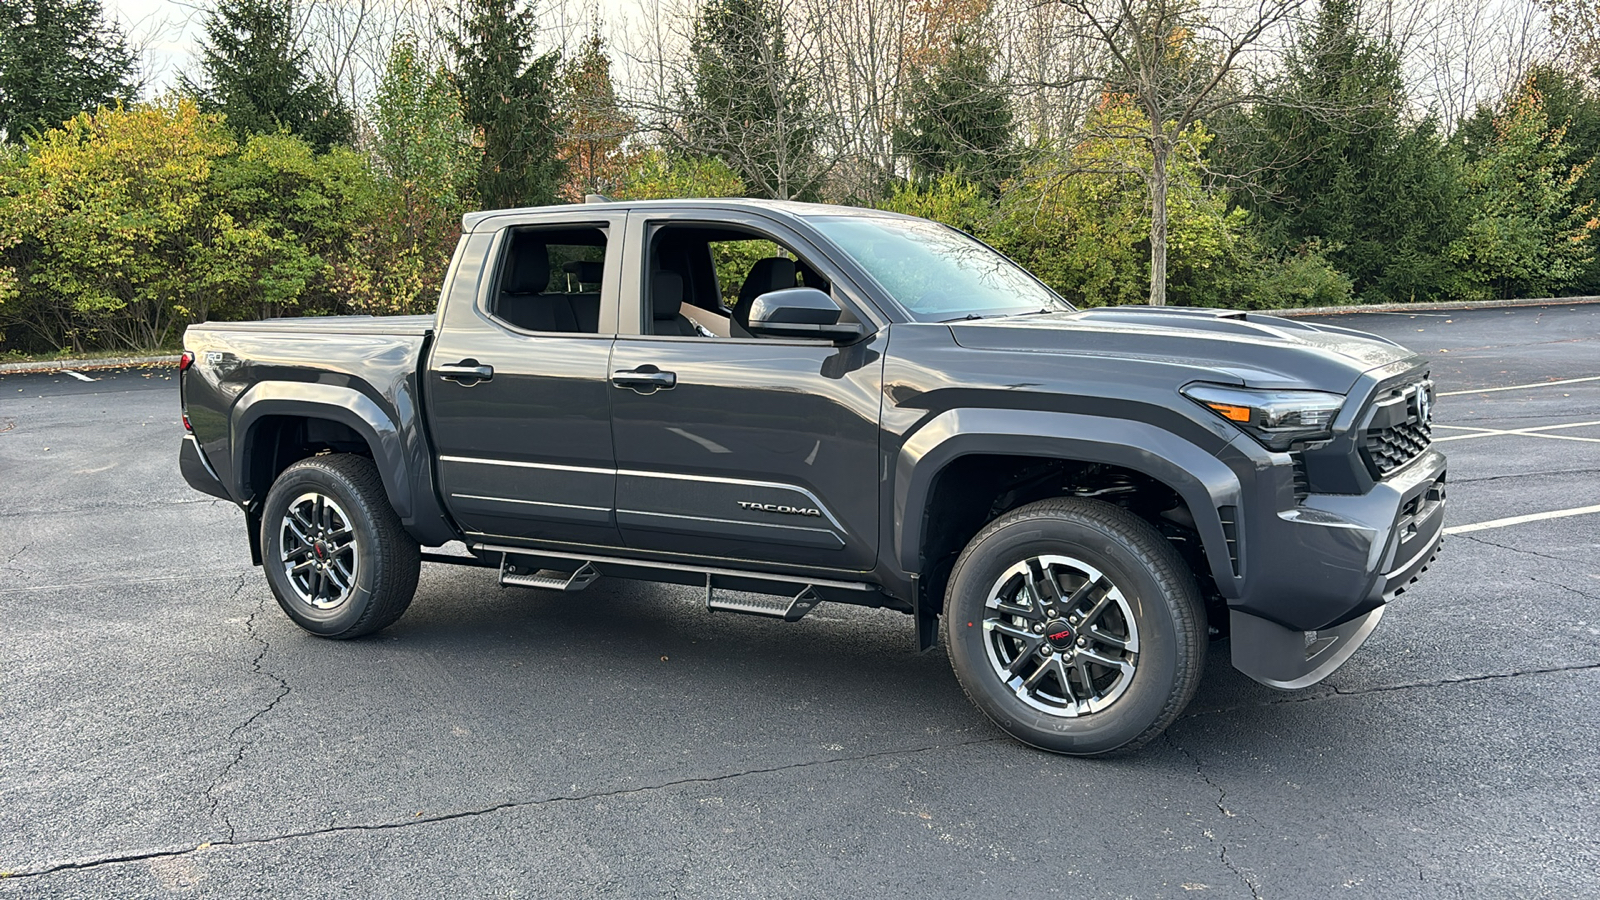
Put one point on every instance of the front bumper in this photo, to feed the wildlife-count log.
(1318, 575)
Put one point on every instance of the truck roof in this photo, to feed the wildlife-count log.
(470, 221)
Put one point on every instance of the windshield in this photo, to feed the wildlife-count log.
(937, 273)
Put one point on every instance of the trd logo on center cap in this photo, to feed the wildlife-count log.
(1061, 635)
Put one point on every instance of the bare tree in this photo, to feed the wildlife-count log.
(1177, 62)
(1460, 54)
(859, 69)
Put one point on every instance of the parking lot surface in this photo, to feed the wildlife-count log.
(166, 731)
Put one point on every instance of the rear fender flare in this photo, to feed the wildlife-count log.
(344, 405)
(1199, 477)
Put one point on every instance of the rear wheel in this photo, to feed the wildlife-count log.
(1075, 626)
(336, 556)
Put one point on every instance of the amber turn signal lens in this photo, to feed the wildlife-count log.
(1232, 413)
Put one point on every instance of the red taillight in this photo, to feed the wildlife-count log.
(185, 361)
(186, 426)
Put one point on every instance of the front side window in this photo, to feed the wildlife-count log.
(704, 279)
(938, 274)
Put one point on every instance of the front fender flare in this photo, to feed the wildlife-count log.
(1203, 481)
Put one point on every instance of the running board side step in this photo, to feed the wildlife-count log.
(549, 579)
(789, 609)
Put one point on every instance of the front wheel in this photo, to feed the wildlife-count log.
(1075, 627)
(336, 556)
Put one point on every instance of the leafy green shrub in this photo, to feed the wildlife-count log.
(1305, 279)
(1527, 235)
(950, 199)
(653, 174)
(112, 234)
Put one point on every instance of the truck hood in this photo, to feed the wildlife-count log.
(1230, 346)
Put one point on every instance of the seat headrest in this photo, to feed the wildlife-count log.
(584, 271)
(527, 265)
(666, 294)
(771, 274)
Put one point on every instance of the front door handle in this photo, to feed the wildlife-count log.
(646, 379)
(466, 373)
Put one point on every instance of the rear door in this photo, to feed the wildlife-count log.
(762, 449)
(518, 393)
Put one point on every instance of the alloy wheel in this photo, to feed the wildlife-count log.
(319, 551)
(1061, 635)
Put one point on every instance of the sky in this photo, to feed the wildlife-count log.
(168, 31)
(1450, 70)
(165, 30)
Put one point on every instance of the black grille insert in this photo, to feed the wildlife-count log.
(1399, 429)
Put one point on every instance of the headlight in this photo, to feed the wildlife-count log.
(1277, 419)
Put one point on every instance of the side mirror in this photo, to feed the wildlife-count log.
(799, 312)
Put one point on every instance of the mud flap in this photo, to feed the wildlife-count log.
(1286, 659)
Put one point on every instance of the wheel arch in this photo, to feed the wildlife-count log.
(266, 409)
(1203, 483)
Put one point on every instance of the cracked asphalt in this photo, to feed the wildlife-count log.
(166, 731)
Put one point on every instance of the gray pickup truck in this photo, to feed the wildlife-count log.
(787, 404)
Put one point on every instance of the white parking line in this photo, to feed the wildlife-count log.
(1518, 520)
(78, 375)
(1522, 387)
(1537, 431)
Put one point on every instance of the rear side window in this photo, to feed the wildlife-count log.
(549, 279)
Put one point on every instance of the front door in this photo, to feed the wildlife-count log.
(738, 448)
(518, 393)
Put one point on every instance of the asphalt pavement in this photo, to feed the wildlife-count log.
(166, 731)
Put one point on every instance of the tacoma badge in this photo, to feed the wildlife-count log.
(778, 508)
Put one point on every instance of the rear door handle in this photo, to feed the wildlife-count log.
(646, 379)
(466, 373)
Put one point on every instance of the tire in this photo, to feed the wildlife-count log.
(335, 554)
(1065, 686)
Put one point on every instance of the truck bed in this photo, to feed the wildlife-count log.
(258, 390)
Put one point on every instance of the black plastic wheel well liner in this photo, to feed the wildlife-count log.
(975, 489)
(277, 442)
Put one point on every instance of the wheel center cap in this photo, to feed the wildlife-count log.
(320, 549)
(1059, 634)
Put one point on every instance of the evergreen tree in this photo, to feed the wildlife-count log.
(253, 74)
(1340, 167)
(958, 118)
(596, 124)
(1528, 235)
(59, 58)
(748, 105)
(420, 137)
(508, 97)
(1568, 100)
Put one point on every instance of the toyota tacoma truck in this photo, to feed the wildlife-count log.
(786, 404)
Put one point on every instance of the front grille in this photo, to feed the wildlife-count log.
(1400, 428)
